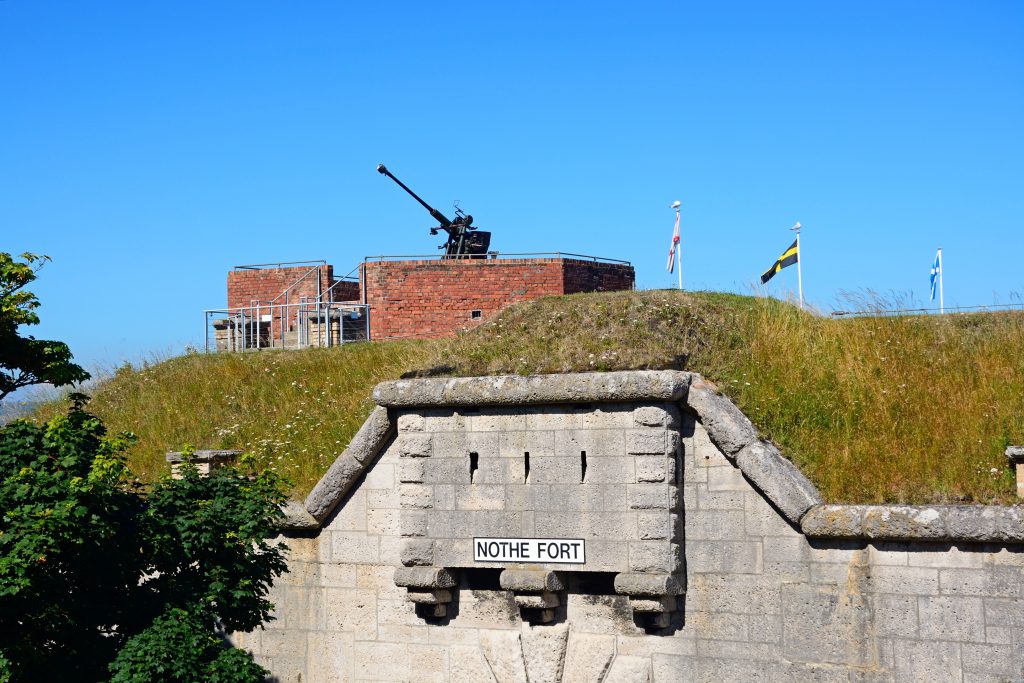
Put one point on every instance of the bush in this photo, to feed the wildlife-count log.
(94, 570)
(180, 648)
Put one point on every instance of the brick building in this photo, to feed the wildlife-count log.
(281, 282)
(404, 298)
(439, 297)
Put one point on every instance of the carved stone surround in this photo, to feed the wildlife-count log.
(606, 474)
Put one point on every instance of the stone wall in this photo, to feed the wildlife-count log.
(771, 585)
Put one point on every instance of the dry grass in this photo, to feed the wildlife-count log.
(910, 409)
(913, 409)
(294, 410)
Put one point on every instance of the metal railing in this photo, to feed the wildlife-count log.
(287, 291)
(494, 255)
(892, 312)
(262, 325)
(351, 277)
(279, 264)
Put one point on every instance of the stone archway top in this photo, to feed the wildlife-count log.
(517, 390)
(761, 462)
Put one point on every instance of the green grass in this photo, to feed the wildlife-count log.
(911, 409)
(293, 410)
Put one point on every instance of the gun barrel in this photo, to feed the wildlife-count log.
(437, 215)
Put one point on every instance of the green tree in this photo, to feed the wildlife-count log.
(100, 578)
(25, 361)
(95, 572)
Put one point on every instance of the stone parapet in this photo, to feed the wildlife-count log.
(728, 428)
(509, 390)
(977, 523)
(760, 461)
(344, 471)
(778, 478)
(708, 557)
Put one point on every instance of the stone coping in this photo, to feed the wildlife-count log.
(1015, 454)
(516, 390)
(350, 465)
(297, 517)
(977, 523)
(202, 456)
(761, 462)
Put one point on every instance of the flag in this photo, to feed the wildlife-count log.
(675, 245)
(936, 272)
(788, 258)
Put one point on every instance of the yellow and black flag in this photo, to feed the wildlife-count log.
(788, 258)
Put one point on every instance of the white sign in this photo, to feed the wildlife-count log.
(561, 550)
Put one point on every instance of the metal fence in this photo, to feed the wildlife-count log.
(307, 324)
(891, 312)
(494, 255)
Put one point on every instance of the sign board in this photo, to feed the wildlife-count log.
(543, 550)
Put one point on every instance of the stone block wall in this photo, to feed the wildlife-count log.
(767, 603)
(607, 475)
(763, 600)
(438, 298)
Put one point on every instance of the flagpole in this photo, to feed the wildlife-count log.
(675, 257)
(679, 256)
(799, 259)
(942, 305)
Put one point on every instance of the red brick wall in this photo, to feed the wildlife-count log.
(265, 284)
(595, 276)
(436, 298)
(346, 291)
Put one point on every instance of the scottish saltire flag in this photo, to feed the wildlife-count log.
(675, 245)
(936, 272)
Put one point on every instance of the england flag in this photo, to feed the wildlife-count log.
(675, 245)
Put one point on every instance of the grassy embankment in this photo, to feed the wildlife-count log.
(293, 410)
(911, 409)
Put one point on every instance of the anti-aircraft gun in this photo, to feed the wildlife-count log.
(464, 240)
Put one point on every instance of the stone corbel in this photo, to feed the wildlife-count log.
(653, 597)
(536, 592)
(429, 588)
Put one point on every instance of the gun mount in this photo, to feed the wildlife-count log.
(464, 240)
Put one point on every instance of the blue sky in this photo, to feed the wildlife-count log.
(149, 147)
